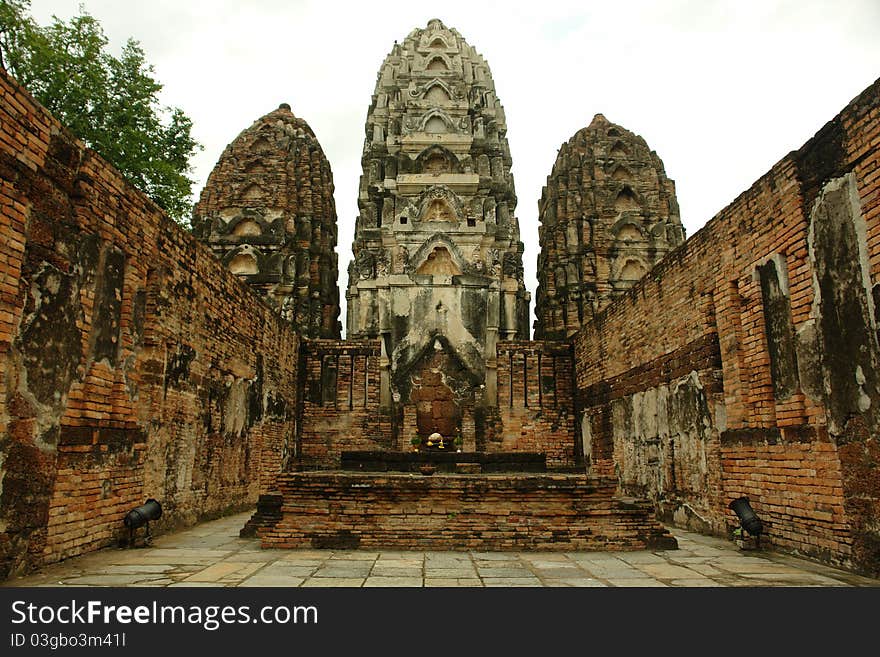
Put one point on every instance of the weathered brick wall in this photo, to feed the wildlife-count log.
(134, 364)
(797, 476)
(340, 402)
(341, 407)
(746, 362)
(651, 426)
(535, 407)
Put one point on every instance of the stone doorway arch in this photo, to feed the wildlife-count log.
(440, 391)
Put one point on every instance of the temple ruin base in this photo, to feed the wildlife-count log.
(348, 510)
(449, 461)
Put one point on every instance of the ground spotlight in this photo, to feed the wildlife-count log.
(748, 519)
(140, 516)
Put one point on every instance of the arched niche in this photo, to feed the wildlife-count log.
(439, 263)
(252, 192)
(244, 264)
(440, 204)
(437, 122)
(437, 378)
(247, 228)
(429, 247)
(260, 145)
(632, 270)
(435, 125)
(436, 159)
(621, 173)
(436, 163)
(626, 201)
(438, 209)
(629, 232)
(628, 228)
(437, 63)
(619, 150)
(437, 95)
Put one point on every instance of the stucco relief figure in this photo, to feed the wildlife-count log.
(512, 266)
(288, 309)
(494, 262)
(364, 263)
(439, 211)
(401, 261)
(478, 261)
(290, 267)
(381, 266)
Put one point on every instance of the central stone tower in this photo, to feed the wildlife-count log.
(437, 272)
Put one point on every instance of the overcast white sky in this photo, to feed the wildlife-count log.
(721, 89)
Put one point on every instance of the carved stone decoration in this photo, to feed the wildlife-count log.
(440, 204)
(272, 191)
(382, 265)
(364, 265)
(599, 232)
(513, 266)
(477, 261)
(401, 261)
(411, 123)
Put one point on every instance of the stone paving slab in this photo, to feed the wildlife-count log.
(397, 562)
(332, 573)
(273, 581)
(705, 582)
(393, 581)
(636, 582)
(561, 573)
(468, 567)
(212, 554)
(396, 571)
(574, 581)
(223, 570)
(114, 569)
(452, 582)
(511, 581)
(333, 582)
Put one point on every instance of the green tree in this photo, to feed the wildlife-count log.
(111, 103)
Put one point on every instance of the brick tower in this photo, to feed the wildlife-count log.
(608, 214)
(437, 271)
(267, 211)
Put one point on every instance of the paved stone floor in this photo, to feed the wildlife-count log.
(212, 554)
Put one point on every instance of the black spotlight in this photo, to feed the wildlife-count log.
(748, 519)
(140, 516)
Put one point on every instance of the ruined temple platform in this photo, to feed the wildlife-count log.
(497, 512)
(448, 461)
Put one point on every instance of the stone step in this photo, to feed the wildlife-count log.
(347, 510)
(267, 515)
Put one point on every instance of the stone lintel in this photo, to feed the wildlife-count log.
(416, 142)
(460, 183)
